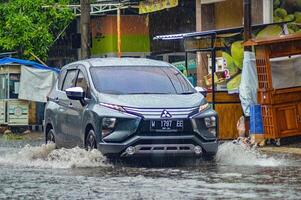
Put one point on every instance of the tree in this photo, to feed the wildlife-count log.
(31, 26)
(85, 28)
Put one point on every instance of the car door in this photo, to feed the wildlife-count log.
(65, 118)
(55, 98)
(76, 108)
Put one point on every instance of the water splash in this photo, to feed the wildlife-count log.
(234, 154)
(46, 156)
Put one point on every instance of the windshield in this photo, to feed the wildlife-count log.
(140, 80)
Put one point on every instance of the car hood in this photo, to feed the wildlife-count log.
(154, 100)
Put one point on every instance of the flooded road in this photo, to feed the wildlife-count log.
(31, 170)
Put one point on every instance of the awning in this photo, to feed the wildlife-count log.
(36, 80)
(6, 61)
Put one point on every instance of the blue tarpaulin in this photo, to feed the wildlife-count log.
(5, 61)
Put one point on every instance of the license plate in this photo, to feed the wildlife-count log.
(166, 125)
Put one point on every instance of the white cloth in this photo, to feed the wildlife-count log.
(249, 83)
(286, 72)
(35, 84)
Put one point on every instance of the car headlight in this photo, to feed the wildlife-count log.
(203, 107)
(108, 125)
(112, 106)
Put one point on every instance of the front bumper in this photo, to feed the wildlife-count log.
(160, 145)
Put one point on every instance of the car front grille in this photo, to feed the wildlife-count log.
(155, 113)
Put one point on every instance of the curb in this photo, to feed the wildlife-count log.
(286, 150)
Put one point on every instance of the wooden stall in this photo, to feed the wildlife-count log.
(228, 106)
(229, 111)
(281, 107)
(13, 111)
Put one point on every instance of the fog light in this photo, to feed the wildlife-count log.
(212, 131)
(210, 121)
(197, 150)
(108, 125)
(130, 150)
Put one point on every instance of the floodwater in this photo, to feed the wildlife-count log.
(31, 170)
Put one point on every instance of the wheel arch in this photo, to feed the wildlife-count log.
(91, 121)
(48, 127)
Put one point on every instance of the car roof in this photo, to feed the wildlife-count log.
(102, 62)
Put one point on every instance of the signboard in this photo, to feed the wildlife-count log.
(17, 112)
(194, 44)
(181, 65)
(2, 112)
(148, 6)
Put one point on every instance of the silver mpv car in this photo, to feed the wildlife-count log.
(129, 107)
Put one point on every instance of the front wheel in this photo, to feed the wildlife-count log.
(50, 138)
(90, 142)
(208, 156)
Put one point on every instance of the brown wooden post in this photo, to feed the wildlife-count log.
(118, 33)
(85, 28)
(247, 23)
(257, 12)
(205, 20)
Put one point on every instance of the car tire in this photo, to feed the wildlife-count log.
(208, 156)
(90, 141)
(50, 136)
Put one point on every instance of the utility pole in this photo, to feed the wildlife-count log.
(247, 23)
(85, 28)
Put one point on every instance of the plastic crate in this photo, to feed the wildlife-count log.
(256, 125)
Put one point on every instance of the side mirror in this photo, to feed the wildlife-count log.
(75, 93)
(201, 90)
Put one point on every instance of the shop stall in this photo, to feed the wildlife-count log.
(23, 89)
(227, 105)
(278, 61)
(223, 84)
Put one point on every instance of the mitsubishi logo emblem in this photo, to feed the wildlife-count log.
(165, 114)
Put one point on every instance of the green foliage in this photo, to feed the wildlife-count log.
(234, 83)
(273, 30)
(276, 3)
(30, 26)
(230, 63)
(298, 17)
(280, 12)
(289, 18)
(237, 52)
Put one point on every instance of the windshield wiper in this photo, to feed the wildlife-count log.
(113, 92)
(187, 92)
(147, 93)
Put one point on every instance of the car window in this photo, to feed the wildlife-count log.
(61, 79)
(178, 80)
(184, 84)
(70, 79)
(81, 81)
(14, 82)
(138, 80)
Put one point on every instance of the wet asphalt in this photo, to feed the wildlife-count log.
(31, 170)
